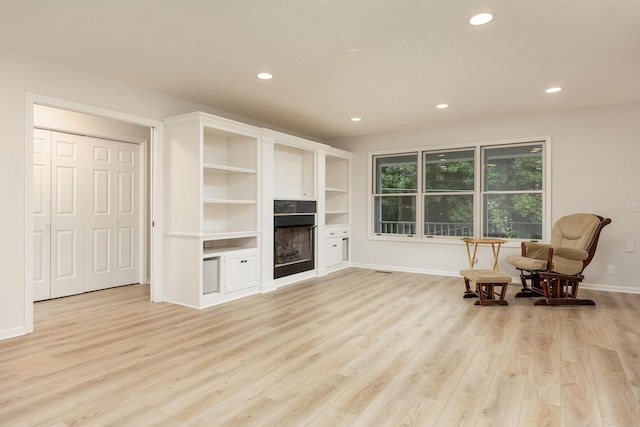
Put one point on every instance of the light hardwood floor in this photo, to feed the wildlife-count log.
(355, 348)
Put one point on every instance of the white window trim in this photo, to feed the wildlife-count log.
(477, 146)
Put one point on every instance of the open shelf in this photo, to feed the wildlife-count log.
(229, 150)
(336, 190)
(336, 201)
(229, 201)
(226, 169)
(337, 174)
(294, 173)
(229, 185)
(336, 218)
(217, 247)
(223, 217)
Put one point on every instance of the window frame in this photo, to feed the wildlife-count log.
(478, 197)
(373, 194)
(424, 193)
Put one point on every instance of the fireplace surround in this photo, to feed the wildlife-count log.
(294, 237)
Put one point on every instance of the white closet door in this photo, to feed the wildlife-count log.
(111, 220)
(127, 215)
(41, 215)
(68, 156)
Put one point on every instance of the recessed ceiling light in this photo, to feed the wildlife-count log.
(553, 89)
(354, 52)
(441, 106)
(481, 19)
(265, 76)
(356, 119)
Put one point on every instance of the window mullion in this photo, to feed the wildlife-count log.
(419, 202)
(478, 205)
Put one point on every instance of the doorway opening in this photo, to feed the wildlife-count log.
(140, 243)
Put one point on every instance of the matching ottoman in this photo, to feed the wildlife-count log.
(491, 286)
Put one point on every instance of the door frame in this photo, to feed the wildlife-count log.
(154, 156)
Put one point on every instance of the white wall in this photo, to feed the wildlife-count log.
(595, 168)
(21, 74)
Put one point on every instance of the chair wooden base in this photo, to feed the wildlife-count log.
(561, 289)
(530, 291)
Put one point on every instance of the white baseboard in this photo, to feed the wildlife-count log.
(12, 333)
(609, 288)
(407, 270)
(268, 287)
(584, 285)
(290, 280)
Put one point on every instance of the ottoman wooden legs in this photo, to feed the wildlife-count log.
(491, 286)
(488, 294)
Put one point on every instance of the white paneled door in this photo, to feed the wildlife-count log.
(41, 214)
(111, 217)
(68, 156)
(94, 218)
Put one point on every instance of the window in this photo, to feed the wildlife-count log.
(448, 193)
(492, 190)
(512, 191)
(395, 193)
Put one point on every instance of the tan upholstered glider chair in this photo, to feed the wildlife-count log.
(554, 270)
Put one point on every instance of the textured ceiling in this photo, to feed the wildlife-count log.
(415, 54)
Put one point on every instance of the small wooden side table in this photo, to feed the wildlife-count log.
(495, 248)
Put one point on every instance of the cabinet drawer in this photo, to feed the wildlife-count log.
(345, 231)
(331, 232)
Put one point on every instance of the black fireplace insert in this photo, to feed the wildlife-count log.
(294, 237)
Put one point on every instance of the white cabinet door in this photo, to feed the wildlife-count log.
(41, 215)
(232, 273)
(333, 252)
(250, 271)
(241, 271)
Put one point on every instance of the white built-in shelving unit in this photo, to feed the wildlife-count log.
(212, 174)
(221, 178)
(337, 224)
(336, 190)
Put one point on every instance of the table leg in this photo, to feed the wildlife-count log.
(472, 261)
(496, 254)
(469, 256)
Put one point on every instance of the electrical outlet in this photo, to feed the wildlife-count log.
(611, 269)
(633, 206)
(630, 247)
